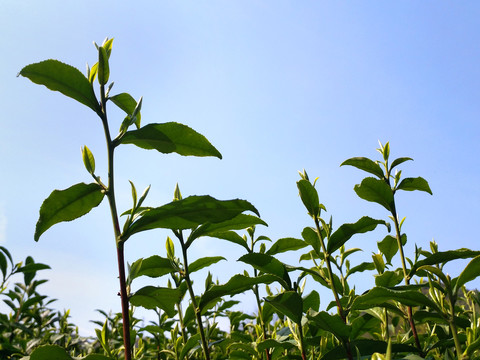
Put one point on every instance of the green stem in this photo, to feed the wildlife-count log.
(260, 314)
(406, 277)
(302, 345)
(453, 329)
(341, 311)
(198, 316)
(116, 228)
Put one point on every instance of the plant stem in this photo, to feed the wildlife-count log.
(116, 228)
(198, 316)
(260, 313)
(405, 275)
(302, 345)
(453, 328)
(332, 285)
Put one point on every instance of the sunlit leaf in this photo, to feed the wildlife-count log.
(150, 297)
(365, 164)
(171, 137)
(411, 184)
(288, 303)
(64, 78)
(331, 323)
(443, 257)
(375, 190)
(204, 262)
(471, 272)
(67, 205)
(154, 266)
(309, 197)
(269, 265)
(286, 244)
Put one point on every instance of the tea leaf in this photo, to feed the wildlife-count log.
(204, 262)
(346, 231)
(388, 247)
(189, 213)
(286, 244)
(103, 68)
(127, 103)
(154, 266)
(236, 285)
(411, 184)
(67, 205)
(365, 164)
(192, 342)
(64, 78)
(375, 190)
(309, 197)
(471, 272)
(311, 301)
(331, 323)
(270, 265)
(443, 257)
(171, 137)
(288, 303)
(150, 297)
(367, 347)
(389, 278)
(399, 161)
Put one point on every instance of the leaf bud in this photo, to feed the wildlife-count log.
(88, 160)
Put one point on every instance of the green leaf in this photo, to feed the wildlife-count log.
(67, 205)
(286, 244)
(192, 342)
(103, 68)
(204, 262)
(379, 295)
(389, 278)
(346, 231)
(150, 297)
(288, 303)
(88, 160)
(127, 103)
(365, 164)
(388, 247)
(170, 137)
(375, 190)
(64, 78)
(411, 184)
(361, 268)
(443, 257)
(271, 343)
(367, 347)
(236, 285)
(269, 265)
(239, 222)
(55, 352)
(309, 197)
(154, 266)
(311, 237)
(471, 272)
(311, 301)
(189, 213)
(399, 161)
(233, 237)
(331, 323)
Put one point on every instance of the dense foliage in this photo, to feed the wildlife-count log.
(414, 311)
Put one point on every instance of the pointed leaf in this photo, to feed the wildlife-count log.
(361, 268)
(67, 205)
(375, 190)
(103, 68)
(367, 347)
(311, 237)
(204, 262)
(192, 342)
(399, 161)
(271, 343)
(311, 301)
(236, 285)
(365, 164)
(389, 278)
(471, 272)
(288, 303)
(309, 197)
(64, 78)
(189, 213)
(286, 244)
(269, 265)
(125, 102)
(411, 184)
(331, 323)
(150, 297)
(378, 295)
(233, 237)
(388, 247)
(154, 266)
(443, 257)
(346, 231)
(239, 222)
(171, 137)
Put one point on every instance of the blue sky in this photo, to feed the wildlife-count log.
(277, 87)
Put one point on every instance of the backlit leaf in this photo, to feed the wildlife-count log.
(375, 190)
(365, 164)
(411, 184)
(309, 197)
(154, 266)
(64, 78)
(286, 244)
(204, 262)
(331, 323)
(150, 297)
(288, 303)
(171, 137)
(269, 265)
(67, 205)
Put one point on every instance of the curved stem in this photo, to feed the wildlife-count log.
(198, 316)
(116, 229)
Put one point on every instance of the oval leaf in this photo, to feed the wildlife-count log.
(204, 262)
(375, 190)
(153, 266)
(365, 164)
(67, 205)
(64, 78)
(411, 184)
(270, 265)
(288, 303)
(189, 213)
(471, 272)
(309, 196)
(346, 231)
(171, 137)
(150, 297)
(286, 244)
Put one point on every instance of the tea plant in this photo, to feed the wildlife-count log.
(79, 199)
